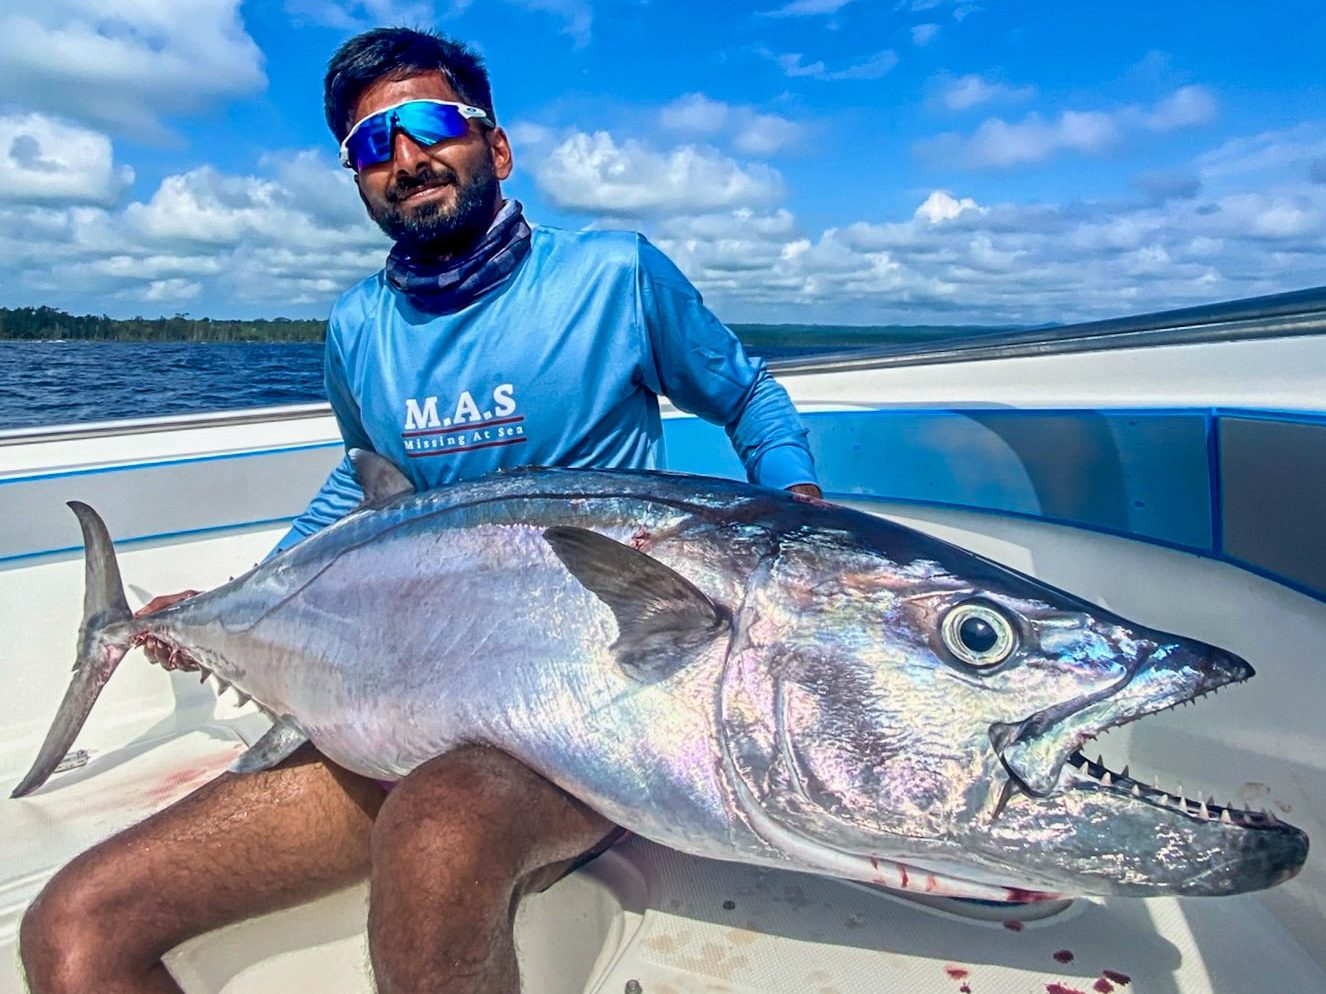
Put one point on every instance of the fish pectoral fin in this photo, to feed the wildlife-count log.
(379, 479)
(662, 618)
(277, 744)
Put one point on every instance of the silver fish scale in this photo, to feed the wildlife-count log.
(436, 607)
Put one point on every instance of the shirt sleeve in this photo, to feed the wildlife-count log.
(341, 493)
(701, 366)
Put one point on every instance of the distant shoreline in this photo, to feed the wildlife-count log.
(48, 324)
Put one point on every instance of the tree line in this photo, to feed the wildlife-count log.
(45, 323)
(35, 323)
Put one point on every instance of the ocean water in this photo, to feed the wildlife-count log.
(50, 383)
(72, 382)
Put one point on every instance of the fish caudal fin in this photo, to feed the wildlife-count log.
(105, 636)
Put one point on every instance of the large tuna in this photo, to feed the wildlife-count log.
(730, 671)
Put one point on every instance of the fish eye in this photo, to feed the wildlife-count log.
(978, 634)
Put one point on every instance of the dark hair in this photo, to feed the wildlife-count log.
(399, 53)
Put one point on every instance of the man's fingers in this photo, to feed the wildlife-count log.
(162, 601)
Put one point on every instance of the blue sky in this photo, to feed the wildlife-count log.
(828, 161)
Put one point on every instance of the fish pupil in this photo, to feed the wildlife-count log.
(978, 635)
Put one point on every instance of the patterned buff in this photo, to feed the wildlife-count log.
(445, 286)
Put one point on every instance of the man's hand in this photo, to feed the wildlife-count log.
(807, 490)
(158, 651)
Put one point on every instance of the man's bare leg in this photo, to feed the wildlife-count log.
(237, 847)
(456, 845)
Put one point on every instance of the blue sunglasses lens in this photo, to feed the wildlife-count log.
(426, 122)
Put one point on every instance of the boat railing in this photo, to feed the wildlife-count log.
(1281, 315)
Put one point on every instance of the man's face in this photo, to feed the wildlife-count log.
(442, 197)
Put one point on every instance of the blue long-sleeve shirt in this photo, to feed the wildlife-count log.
(560, 366)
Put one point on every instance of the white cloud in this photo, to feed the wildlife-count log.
(43, 160)
(750, 131)
(999, 143)
(1293, 149)
(1184, 108)
(971, 90)
(126, 66)
(924, 34)
(876, 66)
(697, 114)
(592, 172)
(809, 8)
(247, 241)
(955, 259)
(941, 206)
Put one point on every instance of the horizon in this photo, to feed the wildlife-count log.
(848, 163)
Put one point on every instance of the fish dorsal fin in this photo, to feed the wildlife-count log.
(277, 744)
(662, 618)
(378, 478)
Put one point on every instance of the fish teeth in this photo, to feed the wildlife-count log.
(1125, 772)
(1225, 819)
(243, 697)
(1204, 811)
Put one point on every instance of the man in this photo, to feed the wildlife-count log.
(481, 345)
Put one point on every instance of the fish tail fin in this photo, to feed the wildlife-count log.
(107, 633)
(104, 602)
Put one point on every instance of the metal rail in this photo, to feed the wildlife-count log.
(170, 422)
(1280, 315)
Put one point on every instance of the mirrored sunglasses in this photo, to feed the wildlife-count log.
(426, 121)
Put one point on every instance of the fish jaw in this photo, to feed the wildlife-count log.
(1104, 833)
(1177, 671)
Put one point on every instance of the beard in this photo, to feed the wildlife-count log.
(441, 229)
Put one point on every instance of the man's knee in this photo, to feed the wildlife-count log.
(447, 816)
(478, 816)
(65, 938)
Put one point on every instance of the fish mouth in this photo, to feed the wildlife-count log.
(1158, 840)
(1035, 751)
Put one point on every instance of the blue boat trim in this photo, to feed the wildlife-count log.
(1157, 475)
(153, 537)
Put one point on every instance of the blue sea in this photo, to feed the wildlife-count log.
(68, 382)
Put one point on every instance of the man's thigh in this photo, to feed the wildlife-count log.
(239, 846)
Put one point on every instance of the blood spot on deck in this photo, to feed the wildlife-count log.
(1064, 956)
(1013, 926)
(957, 972)
(729, 905)
(1122, 979)
(1062, 989)
(1102, 986)
(965, 989)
